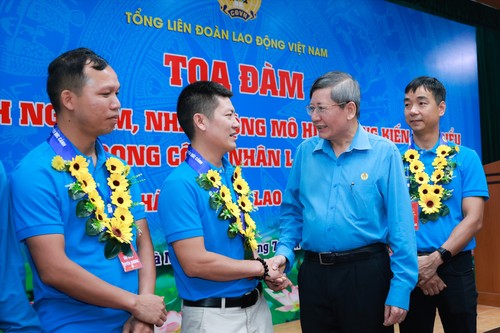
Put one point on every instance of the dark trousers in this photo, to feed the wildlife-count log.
(346, 297)
(457, 303)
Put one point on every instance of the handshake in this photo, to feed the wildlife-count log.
(276, 279)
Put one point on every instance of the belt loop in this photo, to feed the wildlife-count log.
(223, 305)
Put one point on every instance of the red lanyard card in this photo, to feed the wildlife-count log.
(414, 209)
(130, 263)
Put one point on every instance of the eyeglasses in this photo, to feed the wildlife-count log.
(320, 109)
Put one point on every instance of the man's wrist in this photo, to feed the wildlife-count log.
(444, 254)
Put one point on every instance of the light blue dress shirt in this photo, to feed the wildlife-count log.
(356, 199)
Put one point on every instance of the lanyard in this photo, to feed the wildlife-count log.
(201, 165)
(61, 146)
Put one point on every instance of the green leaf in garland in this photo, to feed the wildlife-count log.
(112, 248)
(232, 230)
(103, 237)
(93, 227)
(213, 202)
(126, 249)
(225, 214)
(445, 210)
(248, 253)
(204, 182)
(82, 208)
(75, 194)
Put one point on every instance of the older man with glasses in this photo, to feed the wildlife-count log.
(347, 205)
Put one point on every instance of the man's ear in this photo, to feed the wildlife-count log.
(442, 108)
(67, 99)
(350, 107)
(200, 121)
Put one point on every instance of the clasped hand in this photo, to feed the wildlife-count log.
(277, 279)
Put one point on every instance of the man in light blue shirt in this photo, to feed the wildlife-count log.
(347, 205)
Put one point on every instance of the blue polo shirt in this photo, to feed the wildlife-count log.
(468, 180)
(353, 200)
(184, 210)
(41, 205)
(16, 314)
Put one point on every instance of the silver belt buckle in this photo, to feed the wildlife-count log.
(321, 258)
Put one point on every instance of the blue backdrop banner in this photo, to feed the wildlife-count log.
(267, 52)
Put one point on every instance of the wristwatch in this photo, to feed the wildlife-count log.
(445, 254)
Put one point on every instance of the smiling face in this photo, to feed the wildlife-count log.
(422, 112)
(335, 122)
(95, 108)
(221, 129)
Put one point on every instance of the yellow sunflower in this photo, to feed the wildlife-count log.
(245, 204)
(437, 175)
(241, 186)
(117, 182)
(437, 190)
(99, 214)
(439, 162)
(443, 150)
(424, 189)
(416, 166)
(422, 178)
(124, 215)
(237, 173)
(225, 194)
(252, 243)
(119, 230)
(96, 199)
(411, 155)
(214, 178)
(250, 222)
(78, 165)
(430, 203)
(87, 182)
(233, 208)
(114, 165)
(58, 163)
(121, 199)
(250, 237)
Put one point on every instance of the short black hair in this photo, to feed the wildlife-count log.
(198, 97)
(430, 84)
(67, 72)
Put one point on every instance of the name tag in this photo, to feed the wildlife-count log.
(414, 209)
(130, 263)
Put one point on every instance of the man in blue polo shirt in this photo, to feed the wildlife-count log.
(72, 204)
(204, 208)
(448, 189)
(16, 314)
(346, 203)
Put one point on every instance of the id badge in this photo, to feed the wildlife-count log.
(414, 209)
(130, 263)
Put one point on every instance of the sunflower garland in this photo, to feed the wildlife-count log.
(430, 197)
(221, 201)
(116, 231)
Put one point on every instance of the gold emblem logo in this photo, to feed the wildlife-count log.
(364, 176)
(243, 9)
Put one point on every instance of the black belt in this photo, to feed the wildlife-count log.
(331, 258)
(244, 301)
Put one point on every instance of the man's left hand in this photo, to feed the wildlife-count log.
(393, 315)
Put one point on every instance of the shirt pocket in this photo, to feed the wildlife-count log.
(363, 203)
